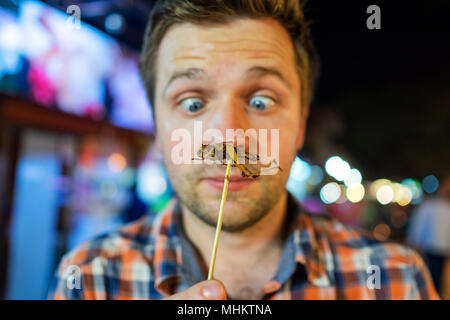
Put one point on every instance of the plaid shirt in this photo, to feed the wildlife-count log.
(322, 259)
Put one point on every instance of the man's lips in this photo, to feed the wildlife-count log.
(237, 182)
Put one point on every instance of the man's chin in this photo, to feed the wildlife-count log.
(232, 224)
(239, 213)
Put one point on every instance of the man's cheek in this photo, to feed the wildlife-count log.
(178, 176)
(170, 144)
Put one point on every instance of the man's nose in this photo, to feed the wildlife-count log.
(228, 115)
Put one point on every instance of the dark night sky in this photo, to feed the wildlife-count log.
(390, 87)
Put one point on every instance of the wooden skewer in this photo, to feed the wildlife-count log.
(219, 221)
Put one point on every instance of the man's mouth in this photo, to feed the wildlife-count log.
(237, 182)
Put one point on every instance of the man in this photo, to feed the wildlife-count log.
(235, 65)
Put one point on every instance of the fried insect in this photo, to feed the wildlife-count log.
(237, 154)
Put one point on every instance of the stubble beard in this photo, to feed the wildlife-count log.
(244, 210)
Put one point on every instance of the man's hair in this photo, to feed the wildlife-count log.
(289, 13)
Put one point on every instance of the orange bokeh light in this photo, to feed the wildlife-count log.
(117, 162)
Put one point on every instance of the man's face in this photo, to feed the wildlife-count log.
(241, 75)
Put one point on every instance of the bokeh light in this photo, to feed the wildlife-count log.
(403, 196)
(117, 162)
(114, 23)
(415, 188)
(299, 174)
(353, 179)
(151, 182)
(430, 184)
(316, 176)
(337, 168)
(300, 170)
(355, 193)
(330, 192)
(385, 194)
(396, 188)
(332, 165)
(378, 184)
(382, 232)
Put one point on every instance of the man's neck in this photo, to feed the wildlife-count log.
(259, 239)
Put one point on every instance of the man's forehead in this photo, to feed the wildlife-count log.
(187, 43)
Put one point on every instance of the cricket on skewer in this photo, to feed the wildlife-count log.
(232, 156)
(240, 158)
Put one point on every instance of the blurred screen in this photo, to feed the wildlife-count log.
(45, 57)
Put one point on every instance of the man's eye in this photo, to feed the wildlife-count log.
(192, 105)
(261, 102)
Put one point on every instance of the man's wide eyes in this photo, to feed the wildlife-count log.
(194, 105)
(261, 102)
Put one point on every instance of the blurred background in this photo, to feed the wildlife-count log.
(77, 154)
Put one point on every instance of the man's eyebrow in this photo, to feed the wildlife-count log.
(259, 71)
(190, 73)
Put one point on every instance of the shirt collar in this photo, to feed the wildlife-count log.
(305, 250)
(304, 243)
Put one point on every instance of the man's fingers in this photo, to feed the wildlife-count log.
(205, 290)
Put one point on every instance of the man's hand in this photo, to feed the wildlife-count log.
(205, 290)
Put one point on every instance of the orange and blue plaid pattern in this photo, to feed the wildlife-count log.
(143, 260)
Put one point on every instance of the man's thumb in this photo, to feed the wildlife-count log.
(205, 290)
(212, 290)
